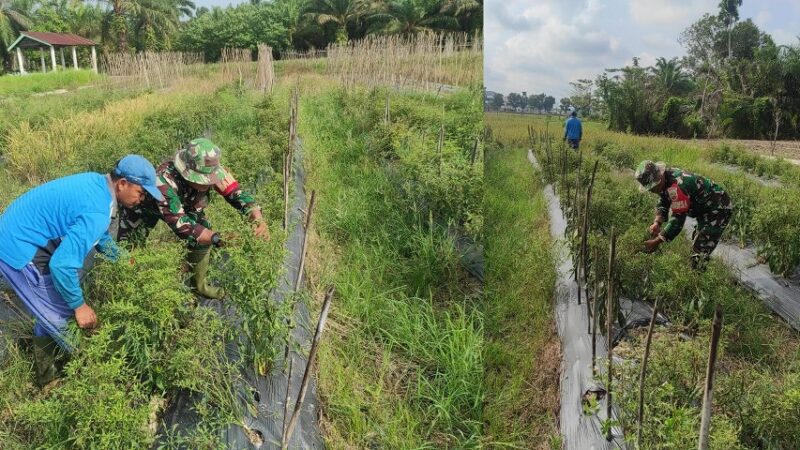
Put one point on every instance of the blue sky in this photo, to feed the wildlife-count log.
(542, 45)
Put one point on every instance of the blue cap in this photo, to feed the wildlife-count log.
(137, 169)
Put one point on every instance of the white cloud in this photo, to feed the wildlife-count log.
(762, 18)
(668, 13)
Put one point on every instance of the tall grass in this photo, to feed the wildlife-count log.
(44, 82)
(403, 365)
(523, 351)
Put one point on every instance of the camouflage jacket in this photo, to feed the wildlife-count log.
(687, 194)
(183, 207)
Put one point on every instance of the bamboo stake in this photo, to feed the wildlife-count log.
(609, 311)
(643, 373)
(286, 401)
(305, 240)
(705, 418)
(307, 374)
(595, 316)
(585, 244)
(286, 191)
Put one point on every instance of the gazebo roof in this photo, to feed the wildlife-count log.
(33, 39)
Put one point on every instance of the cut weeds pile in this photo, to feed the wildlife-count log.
(152, 340)
(756, 395)
(403, 365)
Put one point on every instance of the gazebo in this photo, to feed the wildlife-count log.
(51, 41)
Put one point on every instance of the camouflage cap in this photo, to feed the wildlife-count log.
(649, 174)
(198, 162)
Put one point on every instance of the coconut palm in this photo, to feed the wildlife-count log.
(13, 19)
(414, 16)
(339, 12)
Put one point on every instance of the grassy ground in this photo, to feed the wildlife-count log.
(756, 392)
(45, 82)
(403, 365)
(152, 340)
(523, 350)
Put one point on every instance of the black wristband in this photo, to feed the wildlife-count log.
(216, 239)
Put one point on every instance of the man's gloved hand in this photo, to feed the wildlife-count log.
(85, 316)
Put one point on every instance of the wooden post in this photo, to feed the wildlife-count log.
(705, 417)
(307, 375)
(63, 62)
(612, 249)
(286, 400)
(585, 246)
(53, 58)
(643, 373)
(94, 60)
(305, 240)
(74, 58)
(595, 315)
(286, 190)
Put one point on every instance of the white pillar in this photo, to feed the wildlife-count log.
(74, 58)
(20, 61)
(63, 64)
(94, 60)
(41, 54)
(53, 58)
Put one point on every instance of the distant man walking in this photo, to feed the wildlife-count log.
(187, 181)
(573, 129)
(685, 194)
(46, 235)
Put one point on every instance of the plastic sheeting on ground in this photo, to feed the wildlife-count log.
(580, 431)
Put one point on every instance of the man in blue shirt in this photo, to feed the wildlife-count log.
(573, 130)
(46, 235)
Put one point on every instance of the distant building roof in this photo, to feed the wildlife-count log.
(34, 39)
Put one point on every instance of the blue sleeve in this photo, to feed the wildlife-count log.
(109, 248)
(68, 258)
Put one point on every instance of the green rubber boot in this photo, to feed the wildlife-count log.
(198, 260)
(44, 355)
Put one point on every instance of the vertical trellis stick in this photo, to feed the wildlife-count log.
(576, 214)
(288, 392)
(585, 249)
(705, 417)
(305, 240)
(595, 315)
(643, 373)
(307, 374)
(286, 190)
(387, 115)
(612, 250)
(474, 151)
(439, 146)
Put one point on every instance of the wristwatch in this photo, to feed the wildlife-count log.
(216, 239)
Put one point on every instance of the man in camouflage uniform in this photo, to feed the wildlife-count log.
(684, 194)
(185, 182)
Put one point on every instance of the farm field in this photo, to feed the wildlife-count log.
(398, 180)
(756, 381)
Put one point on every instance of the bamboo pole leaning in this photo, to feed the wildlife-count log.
(309, 365)
(708, 390)
(643, 373)
(612, 250)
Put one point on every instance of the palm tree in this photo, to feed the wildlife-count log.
(339, 12)
(13, 19)
(414, 16)
(669, 75)
(154, 21)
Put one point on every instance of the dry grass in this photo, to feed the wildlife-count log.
(148, 69)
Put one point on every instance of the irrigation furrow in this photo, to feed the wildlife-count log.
(580, 431)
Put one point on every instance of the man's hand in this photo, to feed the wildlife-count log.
(651, 245)
(262, 230)
(655, 229)
(85, 316)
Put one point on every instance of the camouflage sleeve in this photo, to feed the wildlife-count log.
(240, 199)
(679, 205)
(171, 209)
(662, 209)
(673, 227)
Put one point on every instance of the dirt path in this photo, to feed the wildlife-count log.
(788, 150)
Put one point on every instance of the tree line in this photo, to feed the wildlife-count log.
(541, 103)
(734, 81)
(142, 25)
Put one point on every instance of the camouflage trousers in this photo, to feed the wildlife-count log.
(134, 226)
(710, 227)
